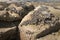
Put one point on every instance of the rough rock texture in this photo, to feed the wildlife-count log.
(8, 31)
(52, 36)
(3, 5)
(39, 23)
(12, 12)
(10, 16)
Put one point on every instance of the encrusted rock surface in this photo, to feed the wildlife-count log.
(21, 20)
(10, 16)
(39, 23)
(12, 12)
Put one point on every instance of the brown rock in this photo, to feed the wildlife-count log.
(13, 12)
(3, 5)
(37, 24)
(7, 31)
(52, 36)
(8, 16)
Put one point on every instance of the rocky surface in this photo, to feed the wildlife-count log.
(12, 12)
(52, 36)
(8, 31)
(10, 16)
(29, 21)
(39, 23)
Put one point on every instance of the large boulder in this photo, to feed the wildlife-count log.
(13, 12)
(38, 23)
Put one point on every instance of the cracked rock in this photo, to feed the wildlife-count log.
(38, 24)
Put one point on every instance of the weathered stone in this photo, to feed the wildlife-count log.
(7, 31)
(57, 7)
(53, 36)
(13, 12)
(29, 6)
(38, 24)
(3, 5)
(8, 16)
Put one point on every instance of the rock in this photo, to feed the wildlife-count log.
(3, 5)
(53, 36)
(38, 24)
(8, 31)
(8, 16)
(54, 11)
(57, 7)
(13, 12)
(29, 6)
